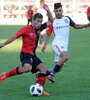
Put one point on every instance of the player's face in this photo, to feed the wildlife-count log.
(58, 12)
(42, 3)
(37, 23)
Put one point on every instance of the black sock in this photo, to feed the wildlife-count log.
(47, 73)
(57, 68)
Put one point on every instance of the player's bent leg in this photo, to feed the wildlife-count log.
(2, 76)
(41, 77)
(16, 71)
(41, 68)
(13, 72)
(64, 58)
(26, 68)
(58, 66)
(55, 70)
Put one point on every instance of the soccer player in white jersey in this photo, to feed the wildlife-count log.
(60, 29)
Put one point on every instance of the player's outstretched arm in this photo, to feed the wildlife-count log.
(11, 39)
(46, 42)
(50, 17)
(79, 26)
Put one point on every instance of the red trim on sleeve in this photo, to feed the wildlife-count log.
(54, 33)
(50, 29)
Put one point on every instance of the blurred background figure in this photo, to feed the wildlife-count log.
(10, 11)
(17, 14)
(88, 13)
(44, 13)
(29, 14)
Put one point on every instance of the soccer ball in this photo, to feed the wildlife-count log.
(36, 89)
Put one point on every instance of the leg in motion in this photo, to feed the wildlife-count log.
(58, 66)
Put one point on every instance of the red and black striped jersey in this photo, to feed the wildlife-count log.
(30, 37)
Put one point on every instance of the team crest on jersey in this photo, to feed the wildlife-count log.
(31, 34)
(66, 21)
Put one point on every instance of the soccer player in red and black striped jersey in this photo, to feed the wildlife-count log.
(29, 14)
(30, 35)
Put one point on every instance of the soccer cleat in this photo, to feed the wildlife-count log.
(51, 78)
(45, 93)
(2, 76)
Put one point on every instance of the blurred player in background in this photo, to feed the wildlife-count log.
(30, 35)
(88, 13)
(10, 11)
(60, 29)
(44, 13)
(29, 14)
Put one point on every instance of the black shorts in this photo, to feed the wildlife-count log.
(89, 19)
(32, 60)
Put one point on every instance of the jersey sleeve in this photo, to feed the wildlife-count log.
(88, 9)
(50, 29)
(20, 33)
(43, 26)
(72, 23)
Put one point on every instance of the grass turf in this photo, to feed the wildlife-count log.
(72, 83)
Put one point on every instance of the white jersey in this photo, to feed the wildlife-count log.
(44, 13)
(60, 29)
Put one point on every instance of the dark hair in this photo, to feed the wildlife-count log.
(42, 1)
(37, 15)
(57, 5)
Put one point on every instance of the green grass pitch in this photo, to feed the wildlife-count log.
(72, 83)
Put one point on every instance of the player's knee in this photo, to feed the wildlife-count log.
(66, 58)
(26, 68)
(43, 69)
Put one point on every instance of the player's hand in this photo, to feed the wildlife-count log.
(43, 49)
(45, 6)
(1, 45)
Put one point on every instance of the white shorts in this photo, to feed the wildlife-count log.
(58, 49)
(57, 58)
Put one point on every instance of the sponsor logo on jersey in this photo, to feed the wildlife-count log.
(59, 27)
